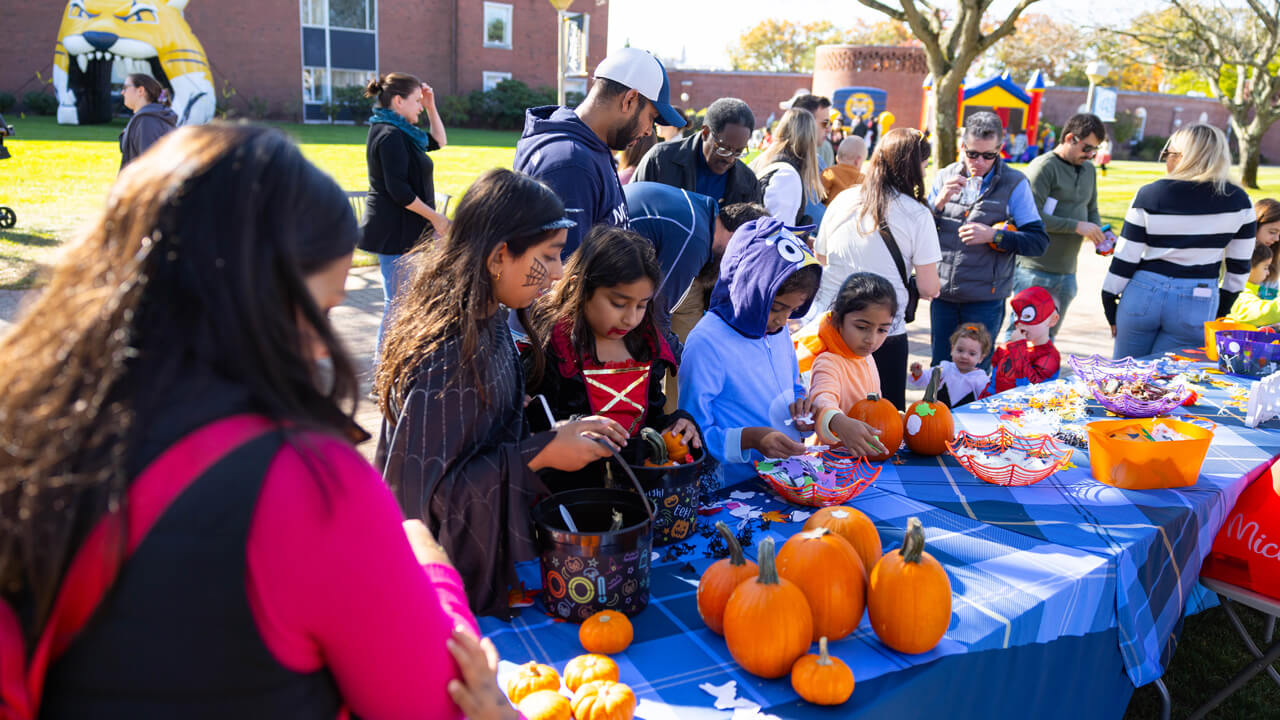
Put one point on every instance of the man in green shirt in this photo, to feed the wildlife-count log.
(1064, 184)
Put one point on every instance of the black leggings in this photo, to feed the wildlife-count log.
(891, 362)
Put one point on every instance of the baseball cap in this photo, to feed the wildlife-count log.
(1032, 306)
(642, 72)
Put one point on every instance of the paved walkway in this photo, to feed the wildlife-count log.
(356, 321)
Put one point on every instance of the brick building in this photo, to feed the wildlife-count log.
(288, 55)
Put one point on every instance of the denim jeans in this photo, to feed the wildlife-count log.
(1061, 286)
(1159, 313)
(946, 316)
(393, 270)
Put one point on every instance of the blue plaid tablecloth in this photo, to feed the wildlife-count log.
(1008, 589)
(1155, 540)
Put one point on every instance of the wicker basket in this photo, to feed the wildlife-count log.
(843, 478)
(1010, 474)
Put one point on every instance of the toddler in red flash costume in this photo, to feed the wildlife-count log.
(1030, 356)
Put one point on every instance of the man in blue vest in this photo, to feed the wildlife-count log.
(974, 202)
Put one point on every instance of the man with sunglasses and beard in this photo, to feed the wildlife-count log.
(571, 149)
(977, 203)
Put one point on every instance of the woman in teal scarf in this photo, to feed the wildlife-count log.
(400, 209)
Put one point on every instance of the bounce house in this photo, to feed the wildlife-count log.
(101, 41)
(1018, 107)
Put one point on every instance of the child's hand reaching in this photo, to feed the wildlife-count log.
(802, 415)
(687, 432)
(858, 437)
(916, 370)
(777, 445)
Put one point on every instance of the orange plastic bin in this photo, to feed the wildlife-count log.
(1211, 329)
(1143, 464)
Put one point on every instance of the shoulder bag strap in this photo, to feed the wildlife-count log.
(97, 562)
(892, 244)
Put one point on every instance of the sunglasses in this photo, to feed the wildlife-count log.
(1167, 153)
(989, 155)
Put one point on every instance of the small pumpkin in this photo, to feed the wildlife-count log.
(721, 579)
(677, 448)
(656, 454)
(604, 700)
(589, 668)
(767, 621)
(530, 678)
(883, 416)
(822, 679)
(929, 425)
(909, 598)
(825, 567)
(545, 705)
(608, 632)
(853, 526)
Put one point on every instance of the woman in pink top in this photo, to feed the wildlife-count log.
(190, 531)
(843, 369)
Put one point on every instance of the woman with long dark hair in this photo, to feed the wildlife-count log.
(888, 207)
(151, 119)
(455, 446)
(402, 192)
(188, 531)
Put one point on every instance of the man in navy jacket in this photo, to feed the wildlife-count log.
(571, 150)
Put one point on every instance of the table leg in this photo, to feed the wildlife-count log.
(1166, 702)
(1270, 632)
(1234, 617)
(1253, 668)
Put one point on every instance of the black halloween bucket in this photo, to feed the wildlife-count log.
(595, 567)
(673, 491)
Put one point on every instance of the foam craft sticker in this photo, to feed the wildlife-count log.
(913, 424)
(98, 36)
(726, 696)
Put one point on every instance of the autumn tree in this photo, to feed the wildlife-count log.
(781, 45)
(952, 41)
(884, 32)
(1235, 50)
(1042, 43)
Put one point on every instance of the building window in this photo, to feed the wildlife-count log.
(315, 85)
(339, 50)
(497, 25)
(313, 12)
(349, 78)
(491, 79)
(353, 14)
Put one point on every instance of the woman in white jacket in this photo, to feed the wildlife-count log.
(788, 168)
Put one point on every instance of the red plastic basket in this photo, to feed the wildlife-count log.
(1010, 474)
(851, 475)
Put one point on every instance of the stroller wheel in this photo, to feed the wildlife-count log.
(8, 218)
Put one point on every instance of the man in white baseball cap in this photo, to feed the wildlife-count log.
(571, 150)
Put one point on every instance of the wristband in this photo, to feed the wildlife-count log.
(824, 426)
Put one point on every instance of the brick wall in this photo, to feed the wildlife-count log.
(762, 91)
(415, 37)
(254, 49)
(30, 32)
(532, 57)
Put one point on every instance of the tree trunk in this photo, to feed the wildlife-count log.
(945, 138)
(1249, 153)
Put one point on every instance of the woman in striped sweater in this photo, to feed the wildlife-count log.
(1163, 284)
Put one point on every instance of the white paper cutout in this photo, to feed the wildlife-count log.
(1264, 400)
(726, 696)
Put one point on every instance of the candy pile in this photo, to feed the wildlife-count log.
(1011, 456)
(1159, 433)
(1139, 390)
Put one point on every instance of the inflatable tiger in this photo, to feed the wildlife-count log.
(150, 37)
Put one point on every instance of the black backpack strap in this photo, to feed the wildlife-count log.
(891, 243)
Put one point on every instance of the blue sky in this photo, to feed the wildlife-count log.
(700, 30)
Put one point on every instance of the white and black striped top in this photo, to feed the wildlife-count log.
(1182, 229)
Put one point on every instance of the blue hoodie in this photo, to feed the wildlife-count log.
(561, 151)
(734, 375)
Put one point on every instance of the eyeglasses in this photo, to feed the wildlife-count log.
(989, 155)
(1086, 148)
(1166, 153)
(724, 151)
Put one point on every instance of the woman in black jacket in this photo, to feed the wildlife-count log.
(401, 184)
(152, 119)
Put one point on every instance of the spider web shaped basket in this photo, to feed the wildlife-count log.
(1096, 371)
(830, 477)
(1010, 474)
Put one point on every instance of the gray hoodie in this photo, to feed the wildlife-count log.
(147, 125)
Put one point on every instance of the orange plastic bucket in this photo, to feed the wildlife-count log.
(1143, 464)
(1211, 329)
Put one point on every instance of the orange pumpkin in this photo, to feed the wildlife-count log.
(589, 668)
(822, 679)
(929, 425)
(530, 678)
(827, 569)
(658, 454)
(608, 632)
(767, 621)
(604, 700)
(909, 599)
(721, 579)
(853, 526)
(545, 705)
(677, 448)
(883, 416)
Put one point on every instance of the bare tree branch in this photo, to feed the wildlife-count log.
(1006, 27)
(878, 6)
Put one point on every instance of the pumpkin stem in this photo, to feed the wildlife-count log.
(931, 389)
(823, 658)
(913, 541)
(873, 397)
(657, 446)
(735, 550)
(768, 569)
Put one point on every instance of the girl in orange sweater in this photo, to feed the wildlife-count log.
(843, 371)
